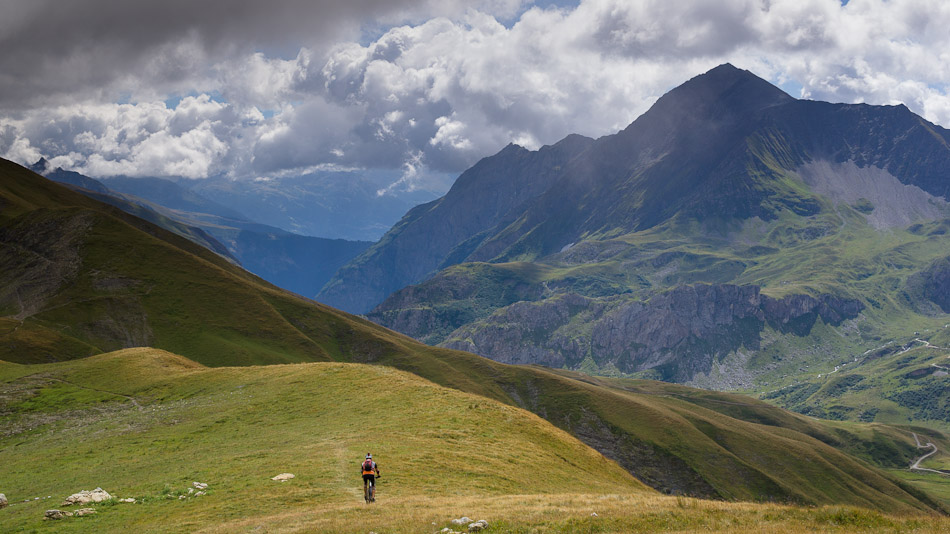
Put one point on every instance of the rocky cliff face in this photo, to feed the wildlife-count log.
(677, 334)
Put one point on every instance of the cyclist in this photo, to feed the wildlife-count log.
(370, 472)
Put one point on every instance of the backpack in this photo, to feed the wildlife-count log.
(367, 465)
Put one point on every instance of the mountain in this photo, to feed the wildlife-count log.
(302, 264)
(170, 194)
(441, 232)
(69, 177)
(79, 278)
(332, 204)
(731, 237)
(721, 148)
(299, 263)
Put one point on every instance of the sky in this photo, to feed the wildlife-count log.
(249, 90)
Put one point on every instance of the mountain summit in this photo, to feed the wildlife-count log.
(718, 148)
(732, 237)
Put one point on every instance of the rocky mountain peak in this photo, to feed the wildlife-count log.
(723, 94)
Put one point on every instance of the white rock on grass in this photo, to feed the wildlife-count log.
(56, 514)
(3, 501)
(283, 477)
(84, 511)
(478, 526)
(86, 497)
(130, 499)
(461, 521)
(199, 485)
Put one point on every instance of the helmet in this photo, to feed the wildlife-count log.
(368, 456)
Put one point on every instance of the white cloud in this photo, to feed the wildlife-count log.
(146, 139)
(440, 93)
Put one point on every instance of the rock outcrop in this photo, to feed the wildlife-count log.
(3, 501)
(678, 333)
(86, 497)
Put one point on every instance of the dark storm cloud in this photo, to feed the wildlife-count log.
(53, 48)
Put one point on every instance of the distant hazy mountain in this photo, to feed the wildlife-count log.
(170, 194)
(302, 264)
(345, 205)
(731, 237)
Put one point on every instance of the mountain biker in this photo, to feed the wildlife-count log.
(370, 471)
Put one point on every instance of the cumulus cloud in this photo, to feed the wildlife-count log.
(435, 93)
(147, 139)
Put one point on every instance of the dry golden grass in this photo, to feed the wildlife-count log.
(573, 513)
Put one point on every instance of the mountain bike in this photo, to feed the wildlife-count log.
(369, 491)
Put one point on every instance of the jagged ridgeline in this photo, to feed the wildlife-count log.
(80, 278)
(732, 237)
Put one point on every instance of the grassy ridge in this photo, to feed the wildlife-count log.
(74, 425)
(92, 276)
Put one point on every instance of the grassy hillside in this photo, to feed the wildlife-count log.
(80, 278)
(903, 380)
(137, 421)
(145, 423)
(90, 276)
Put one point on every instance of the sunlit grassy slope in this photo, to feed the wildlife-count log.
(136, 421)
(145, 423)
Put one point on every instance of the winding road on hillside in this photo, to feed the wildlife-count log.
(916, 465)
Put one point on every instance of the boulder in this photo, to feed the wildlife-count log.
(199, 485)
(86, 497)
(3, 501)
(477, 526)
(461, 521)
(129, 500)
(84, 511)
(283, 477)
(56, 514)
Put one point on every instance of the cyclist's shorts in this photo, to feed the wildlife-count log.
(369, 478)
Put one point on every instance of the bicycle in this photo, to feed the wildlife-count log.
(369, 490)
